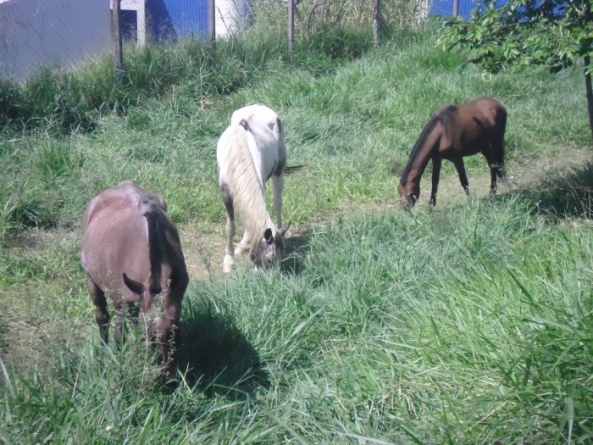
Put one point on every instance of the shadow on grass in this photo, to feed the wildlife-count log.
(216, 356)
(294, 253)
(562, 194)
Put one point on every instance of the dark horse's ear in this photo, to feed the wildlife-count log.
(268, 236)
(134, 286)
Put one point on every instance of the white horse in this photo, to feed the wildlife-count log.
(251, 151)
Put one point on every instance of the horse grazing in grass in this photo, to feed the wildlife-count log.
(131, 253)
(250, 151)
(452, 133)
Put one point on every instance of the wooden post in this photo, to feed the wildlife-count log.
(212, 23)
(116, 36)
(455, 8)
(377, 21)
(290, 25)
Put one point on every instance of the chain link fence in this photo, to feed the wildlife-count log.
(51, 33)
(68, 33)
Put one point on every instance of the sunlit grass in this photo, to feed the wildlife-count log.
(466, 324)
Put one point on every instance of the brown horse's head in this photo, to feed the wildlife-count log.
(270, 248)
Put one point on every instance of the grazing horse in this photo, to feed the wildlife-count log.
(250, 151)
(131, 253)
(452, 133)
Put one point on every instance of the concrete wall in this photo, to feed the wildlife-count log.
(51, 33)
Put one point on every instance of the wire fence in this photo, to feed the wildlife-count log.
(50, 33)
(38, 34)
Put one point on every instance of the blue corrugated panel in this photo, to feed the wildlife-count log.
(176, 18)
(188, 16)
(444, 8)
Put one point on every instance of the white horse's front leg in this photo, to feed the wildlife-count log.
(243, 244)
(278, 184)
(228, 262)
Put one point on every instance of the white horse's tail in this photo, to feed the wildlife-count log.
(290, 169)
(246, 187)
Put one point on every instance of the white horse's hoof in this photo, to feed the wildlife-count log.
(240, 249)
(227, 264)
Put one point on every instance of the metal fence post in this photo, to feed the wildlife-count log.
(212, 23)
(290, 25)
(455, 8)
(116, 36)
(377, 21)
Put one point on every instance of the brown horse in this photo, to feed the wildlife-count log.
(452, 133)
(131, 253)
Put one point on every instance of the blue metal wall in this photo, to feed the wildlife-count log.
(188, 16)
(444, 8)
(167, 19)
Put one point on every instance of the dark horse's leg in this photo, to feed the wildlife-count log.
(461, 172)
(436, 172)
(101, 313)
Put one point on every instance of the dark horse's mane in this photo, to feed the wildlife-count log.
(447, 118)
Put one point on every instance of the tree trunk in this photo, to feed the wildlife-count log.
(589, 94)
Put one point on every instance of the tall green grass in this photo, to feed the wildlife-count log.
(469, 325)
(352, 122)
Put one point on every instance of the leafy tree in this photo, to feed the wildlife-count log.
(553, 33)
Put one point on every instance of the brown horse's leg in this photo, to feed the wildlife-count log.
(168, 329)
(493, 169)
(461, 172)
(436, 172)
(101, 313)
(497, 162)
(118, 314)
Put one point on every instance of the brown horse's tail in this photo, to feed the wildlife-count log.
(155, 247)
(290, 169)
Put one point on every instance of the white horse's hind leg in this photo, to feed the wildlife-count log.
(278, 183)
(228, 262)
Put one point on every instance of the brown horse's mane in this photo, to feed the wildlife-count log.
(447, 117)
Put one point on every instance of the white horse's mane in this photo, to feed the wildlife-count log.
(246, 187)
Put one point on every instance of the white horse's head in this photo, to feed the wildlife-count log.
(270, 248)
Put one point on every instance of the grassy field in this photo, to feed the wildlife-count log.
(468, 323)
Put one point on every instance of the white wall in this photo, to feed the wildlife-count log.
(51, 33)
(231, 16)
